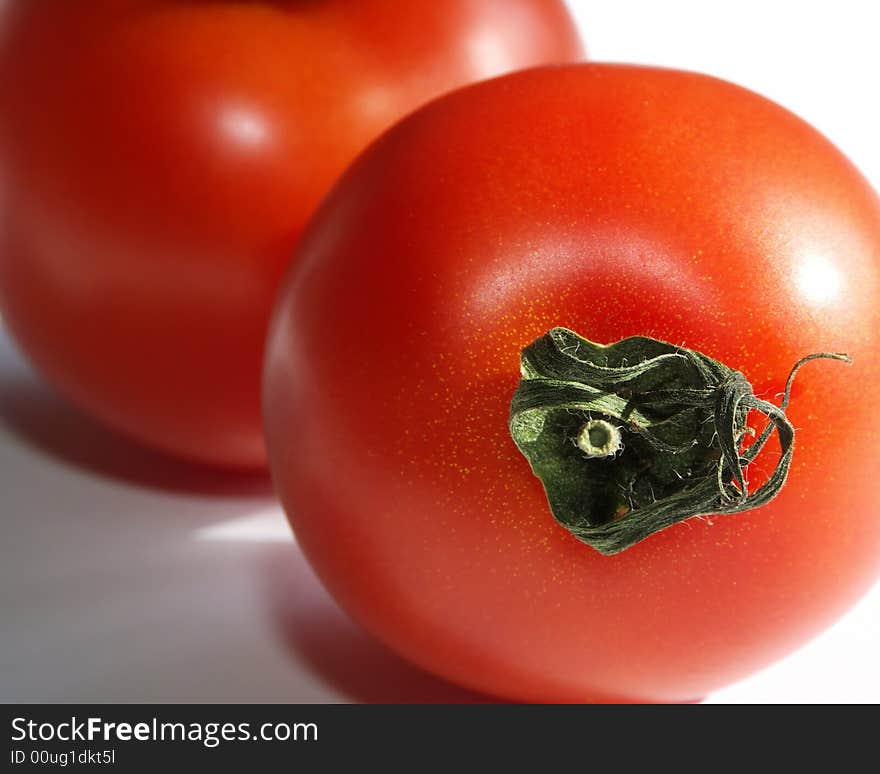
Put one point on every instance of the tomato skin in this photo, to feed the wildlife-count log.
(614, 201)
(159, 159)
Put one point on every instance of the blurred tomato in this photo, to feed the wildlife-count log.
(159, 158)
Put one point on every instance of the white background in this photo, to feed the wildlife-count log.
(125, 576)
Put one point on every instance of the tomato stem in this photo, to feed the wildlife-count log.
(632, 437)
(599, 438)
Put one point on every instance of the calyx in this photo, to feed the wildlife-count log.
(632, 437)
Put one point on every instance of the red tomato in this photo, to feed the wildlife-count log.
(161, 157)
(614, 201)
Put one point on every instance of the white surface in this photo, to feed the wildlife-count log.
(128, 577)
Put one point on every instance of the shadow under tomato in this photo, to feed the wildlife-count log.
(36, 415)
(340, 652)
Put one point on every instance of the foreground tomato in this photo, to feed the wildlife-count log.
(160, 158)
(614, 201)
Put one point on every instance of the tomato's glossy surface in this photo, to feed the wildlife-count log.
(614, 201)
(160, 157)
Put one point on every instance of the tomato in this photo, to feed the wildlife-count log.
(613, 201)
(160, 158)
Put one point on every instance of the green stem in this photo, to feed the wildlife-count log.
(635, 436)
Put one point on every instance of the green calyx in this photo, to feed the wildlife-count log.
(632, 437)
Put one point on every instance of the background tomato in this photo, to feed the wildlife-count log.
(615, 201)
(159, 158)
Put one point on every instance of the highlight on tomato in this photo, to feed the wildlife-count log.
(159, 158)
(567, 393)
